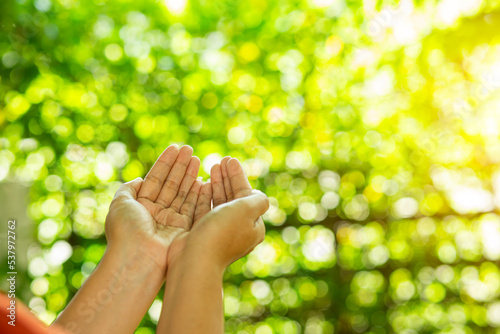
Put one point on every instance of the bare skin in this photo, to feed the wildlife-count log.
(193, 295)
(144, 218)
(165, 222)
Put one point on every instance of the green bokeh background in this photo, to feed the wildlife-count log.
(373, 126)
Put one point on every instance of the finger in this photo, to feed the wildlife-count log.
(186, 184)
(190, 204)
(261, 230)
(203, 206)
(129, 189)
(238, 179)
(254, 205)
(219, 194)
(250, 207)
(227, 182)
(153, 182)
(172, 183)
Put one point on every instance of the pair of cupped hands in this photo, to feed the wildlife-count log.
(172, 212)
(170, 227)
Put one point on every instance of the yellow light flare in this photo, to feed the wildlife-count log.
(334, 46)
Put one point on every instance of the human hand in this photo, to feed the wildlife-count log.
(146, 215)
(143, 219)
(193, 300)
(234, 227)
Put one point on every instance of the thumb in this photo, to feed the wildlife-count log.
(129, 189)
(254, 205)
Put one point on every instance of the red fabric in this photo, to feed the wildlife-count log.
(25, 321)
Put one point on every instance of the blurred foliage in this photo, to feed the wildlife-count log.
(372, 126)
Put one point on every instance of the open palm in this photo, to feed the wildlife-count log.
(151, 213)
(228, 182)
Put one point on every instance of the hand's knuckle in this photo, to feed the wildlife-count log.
(162, 202)
(153, 178)
(172, 184)
(266, 199)
(219, 200)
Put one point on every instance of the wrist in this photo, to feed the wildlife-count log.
(193, 295)
(195, 259)
(133, 266)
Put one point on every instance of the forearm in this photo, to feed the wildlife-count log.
(115, 297)
(193, 298)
